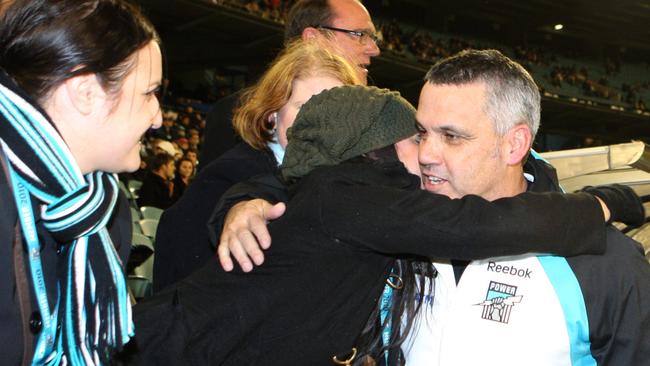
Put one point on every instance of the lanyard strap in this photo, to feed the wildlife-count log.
(45, 342)
(386, 298)
(22, 284)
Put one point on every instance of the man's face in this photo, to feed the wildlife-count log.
(192, 156)
(460, 152)
(169, 169)
(352, 15)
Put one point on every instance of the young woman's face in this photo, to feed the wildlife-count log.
(407, 152)
(130, 114)
(185, 169)
(301, 91)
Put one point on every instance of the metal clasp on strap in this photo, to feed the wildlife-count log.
(348, 361)
(395, 281)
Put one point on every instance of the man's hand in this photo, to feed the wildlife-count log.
(623, 204)
(605, 209)
(244, 233)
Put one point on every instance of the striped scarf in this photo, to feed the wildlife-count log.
(92, 313)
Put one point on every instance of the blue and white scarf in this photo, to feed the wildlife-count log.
(92, 313)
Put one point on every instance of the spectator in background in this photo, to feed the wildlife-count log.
(184, 121)
(336, 18)
(183, 143)
(192, 155)
(392, 36)
(157, 187)
(194, 141)
(184, 174)
(166, 131)
(163, 146)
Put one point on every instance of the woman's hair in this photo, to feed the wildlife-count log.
(298, 60)
(413, 278)
(45, 42)
(415, 275)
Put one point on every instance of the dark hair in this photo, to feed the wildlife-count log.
(45, 42)
(159, 160)
(405, 303)
(306, 13)
(405, 306)
(512, 97)
(178, 163)
(384, 154)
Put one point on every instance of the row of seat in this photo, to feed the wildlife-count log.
(144, 221)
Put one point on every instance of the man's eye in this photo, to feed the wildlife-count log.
(451, 137)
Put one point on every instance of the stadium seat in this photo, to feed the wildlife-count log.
(149, 212)
(149, 227)
(140, 287)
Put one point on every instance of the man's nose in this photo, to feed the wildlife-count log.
(372, 49)
(429, 152)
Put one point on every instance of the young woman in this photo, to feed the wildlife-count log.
(183, 177)
(266, 110)
(77, 91)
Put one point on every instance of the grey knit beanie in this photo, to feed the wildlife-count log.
(344, 122)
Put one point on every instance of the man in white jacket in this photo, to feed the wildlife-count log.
(478, 114)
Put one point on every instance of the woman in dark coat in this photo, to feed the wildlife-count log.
(315, 299)
(72, 74)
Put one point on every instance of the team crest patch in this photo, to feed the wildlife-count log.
(499, 301)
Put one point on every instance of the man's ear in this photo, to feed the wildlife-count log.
(84, 92)
(310, 33)
(518, 143)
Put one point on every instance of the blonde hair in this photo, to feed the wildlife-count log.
(300, 59)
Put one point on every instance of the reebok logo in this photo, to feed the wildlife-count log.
(511, 270)
(499, 301)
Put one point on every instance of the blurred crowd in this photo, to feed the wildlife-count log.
(426, 47)
(170, 153)
(181, 133)
(270, 9)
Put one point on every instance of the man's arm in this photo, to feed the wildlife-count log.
(244, 233)
(384, 217)
(581, 220)
(238, 222)
(418, 222)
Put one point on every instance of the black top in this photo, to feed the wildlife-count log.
(179, 188)
(331, 253)
(155, 192)
(182, 244)
(219, 135)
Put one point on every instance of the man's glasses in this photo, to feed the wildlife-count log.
(363, 36)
